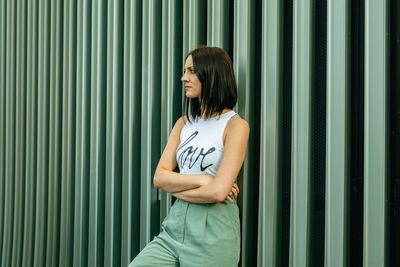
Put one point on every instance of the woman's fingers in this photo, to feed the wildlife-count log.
(234, 192)
(236, 187)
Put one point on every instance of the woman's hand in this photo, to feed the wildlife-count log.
(234, 192)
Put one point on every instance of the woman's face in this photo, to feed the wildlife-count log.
(190, 79)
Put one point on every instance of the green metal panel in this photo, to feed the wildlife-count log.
(54, 182)
(131, 131)
(193, 25)
(151, 113)
(112, 227)
(31, 134)
(243, 64)
(2, 115)
(375, 135)
(90, 92)
(20, 114)
(81, 199)
(171, 85)
(97, 135)
(194, 14)
(269, 214)
(299, 254)
(10, 137)
(42, 137)
(218, 23)
(68, 135)
(337, 144)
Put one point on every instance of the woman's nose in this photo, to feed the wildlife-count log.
(183, 78)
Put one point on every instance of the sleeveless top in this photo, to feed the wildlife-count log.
(201, 145)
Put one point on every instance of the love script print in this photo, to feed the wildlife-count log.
(189, 153)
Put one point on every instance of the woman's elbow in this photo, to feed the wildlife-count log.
(219, 196)
(156, 181)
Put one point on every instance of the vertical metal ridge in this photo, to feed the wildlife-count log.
(31, 134)
(20, 114)
(3, 20)
(171, 92)
(167, 74)
(299, 253)
(269, 230)
(42, 137)
(68, 135)
(131, 132)
(97, 135)
(336, 135)
(193, 25)
(8, 224)
(151, 113)
(112, 244)
(375, 134)
(218, 23)
(243, 64)
(55, 108)
(82, 136)
(193, 28)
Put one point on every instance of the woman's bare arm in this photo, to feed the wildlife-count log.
(237, 134)
(165, 178)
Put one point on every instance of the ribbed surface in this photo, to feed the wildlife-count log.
(89, 91)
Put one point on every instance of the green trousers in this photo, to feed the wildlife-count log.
(195, 235)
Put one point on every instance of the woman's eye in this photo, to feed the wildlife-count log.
(192, 71)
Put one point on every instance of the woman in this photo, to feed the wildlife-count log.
(209, 146)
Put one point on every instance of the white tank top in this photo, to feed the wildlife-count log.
(201, 146)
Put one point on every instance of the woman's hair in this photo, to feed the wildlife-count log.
(214, 69)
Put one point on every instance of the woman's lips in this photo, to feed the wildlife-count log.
(187, 87)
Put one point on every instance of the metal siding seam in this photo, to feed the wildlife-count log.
(243, 64)
(193, 25)
(31, 134)
(10, 138)
(218, 23)
(2, 115)
(269, 232)
(42, 137)
(82, 137)
(150, 134)
(375, 135)
(16, 257)
(336, 133)
(131, 131)
(127, 137)
(193, 29)
(167, 75)
(97, 136)
(112, 237)
(68, 136)
(145, 179)
(299, 252)
(53, 215)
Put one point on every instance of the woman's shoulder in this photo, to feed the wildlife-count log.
(180, 123)
(237, 124)
(182, 120)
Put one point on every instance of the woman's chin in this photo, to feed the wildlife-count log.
(189, 95)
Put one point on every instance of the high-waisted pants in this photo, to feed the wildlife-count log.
(195, 235)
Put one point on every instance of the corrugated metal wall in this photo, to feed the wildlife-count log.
(91, 89)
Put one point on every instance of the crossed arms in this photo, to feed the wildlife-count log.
(203, 188)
